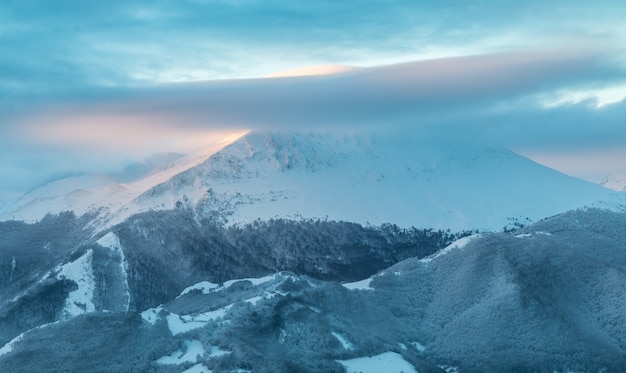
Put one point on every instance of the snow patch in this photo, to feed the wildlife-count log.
(359, 285)
(9, 346)
(389, 362)
(204, 287)
(80, 271)
(418, 346)
(266, 295)
(151, 316)
(616, 182)
(449, 369)
(526, 235)
(458, 244)
(194, 348)
(109, 240)
(198, 368)
(254, 300)
(216, 351)
(183, 323)
(255, 281)
(344, 342)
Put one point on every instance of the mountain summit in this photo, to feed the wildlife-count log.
(368, 179)
(253, 256)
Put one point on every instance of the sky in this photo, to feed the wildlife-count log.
(94, 86)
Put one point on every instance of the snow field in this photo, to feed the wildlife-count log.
(388, 362)
(198, 368)
(181, 324)
(344, 342)
(194, 348)
(204, 287)
(359, 285)
(80, 271)
(458, 244)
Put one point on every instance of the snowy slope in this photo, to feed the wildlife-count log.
(363, 178)
(371, 179)
(89, 193)
(615, 182)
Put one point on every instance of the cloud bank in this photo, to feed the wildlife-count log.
(91, 86)
(493, 99)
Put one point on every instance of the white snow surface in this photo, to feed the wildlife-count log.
(526, 235)
(216, 352)
(449, 369)
(198, 368)
(91, 193)
(183, 323)
(458, 244)
(359, 285)
(80, 271)
(254, 280)
(616, 181)
(8, 347)
(254, 300)
(266, 295)
(194, 348)
(205, 287)
(344, 342)
(151, 316)
(421, 181)
(418, 346)
(388, 362)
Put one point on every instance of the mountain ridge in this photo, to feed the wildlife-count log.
(544, 298)
(411, 181)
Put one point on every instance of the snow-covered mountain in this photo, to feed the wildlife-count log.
(365, 178)
(615, 182)
(186, 267)
(106, 193)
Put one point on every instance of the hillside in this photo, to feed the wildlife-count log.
(545, 298)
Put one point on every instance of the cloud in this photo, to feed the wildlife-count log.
(414, 92)
(121, 43)
(486, 98)
(90, 85)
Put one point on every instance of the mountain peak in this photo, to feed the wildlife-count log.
(367, 178)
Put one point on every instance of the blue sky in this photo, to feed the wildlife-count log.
(94, 85)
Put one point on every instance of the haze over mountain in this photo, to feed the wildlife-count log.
(295, 215)
(169, 203)
(431, 181)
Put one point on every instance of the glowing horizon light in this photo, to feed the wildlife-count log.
(312, 71)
